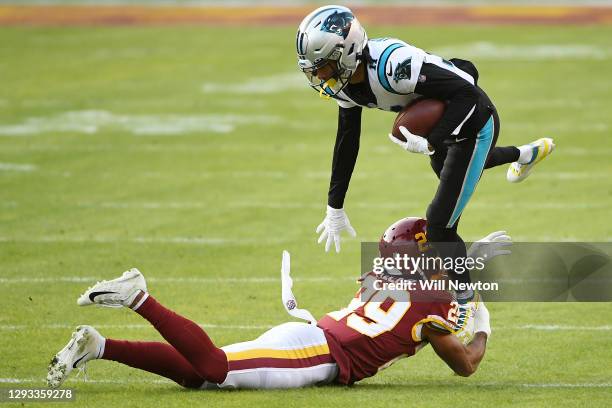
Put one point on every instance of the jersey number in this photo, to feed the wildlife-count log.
(375, 321)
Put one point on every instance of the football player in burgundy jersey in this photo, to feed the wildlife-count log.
(375, 330)
(340, 62)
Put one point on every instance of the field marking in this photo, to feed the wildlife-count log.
(552, 129)
(508, 384)
(204, 241)
(66, 326)
(279, 175)
(281, 82)
(74, 379)
(564, 103)
(411, 384)
(318, 206)
(194, 148)
(484, 50)
(400, 206)
(197, 148)
(187, 280)
(554, 327)
(210, 241)
(19, 167)
(550, 238)
(93, 121)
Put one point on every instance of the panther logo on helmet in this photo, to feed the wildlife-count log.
(338, 23)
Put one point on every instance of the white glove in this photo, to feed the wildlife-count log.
(413, 143)
(495, 244)
(335, 221)
(481, 320)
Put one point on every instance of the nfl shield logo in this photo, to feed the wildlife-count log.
(291, 304)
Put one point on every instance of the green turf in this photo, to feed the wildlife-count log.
(77, 204)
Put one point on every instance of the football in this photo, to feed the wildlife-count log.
(419, 117)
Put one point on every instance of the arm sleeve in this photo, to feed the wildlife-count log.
(345, 154)
(458, 90)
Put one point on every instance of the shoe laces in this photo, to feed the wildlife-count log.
(92, 286)
(82, 371)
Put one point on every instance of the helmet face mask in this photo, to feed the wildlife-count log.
(331, 85)
(330, 35)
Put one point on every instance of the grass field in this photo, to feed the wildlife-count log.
(197, 154)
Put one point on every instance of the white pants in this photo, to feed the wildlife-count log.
(291, 355)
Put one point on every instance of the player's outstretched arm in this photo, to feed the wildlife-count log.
(463, 360)
(345, 157)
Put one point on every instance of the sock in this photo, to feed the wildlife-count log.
(209, 361)
(154, 357)
(527, 154)
(102, 348)
(502, 155)
(140, 301)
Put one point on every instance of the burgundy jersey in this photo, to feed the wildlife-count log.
(380, 327)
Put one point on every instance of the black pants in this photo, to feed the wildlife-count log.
(459, 166)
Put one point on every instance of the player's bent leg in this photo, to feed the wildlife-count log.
(185, 336)
(462, 170)
(188, 339)
(461, 173)
(154, 357)
(87, 344)
(291, 355)
(502, 155)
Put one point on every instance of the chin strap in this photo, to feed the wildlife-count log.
(328, 84)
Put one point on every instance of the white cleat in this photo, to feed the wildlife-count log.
(86, 344)
(518, 172)
(117, 292)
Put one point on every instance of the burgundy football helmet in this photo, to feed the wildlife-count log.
(406, 237)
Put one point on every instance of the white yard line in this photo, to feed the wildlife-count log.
(178, 205)
(66, 326)
(510, 385)
(18, 167)
(94, 121)
(73, 380)
(211, 241)
(280, 82)
(554, 327)
(196, 148)
(427, 177)
(205, 241)
(484, 50)
(187, 280)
